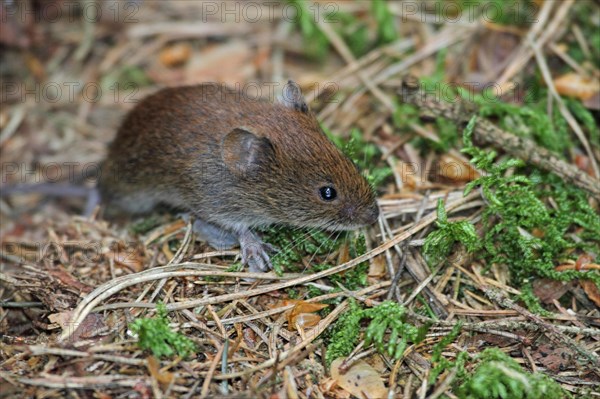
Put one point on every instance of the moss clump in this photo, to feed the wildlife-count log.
(156, 335)
(294, 244)
(440, 242)
(387, 330)
(521, 227)
(499, 376)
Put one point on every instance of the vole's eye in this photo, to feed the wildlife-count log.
(328, 193)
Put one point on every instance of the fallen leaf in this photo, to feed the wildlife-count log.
(126, 256)
(455, 169)
(66, 278)
(591, 290)
(343, 253)
(548, 290)
(301, 314)
(583, 261)
(408, 173)
(553, 358)
(574, 85)
(331, 390)
(175, 54)
(229, 63)
(90, 327)
(305, 320)
(361, 380)
(377, 267)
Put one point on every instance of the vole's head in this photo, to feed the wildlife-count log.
(291, 173)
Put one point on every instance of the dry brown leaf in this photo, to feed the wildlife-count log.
(330, 389)
(167, 251)
(300, 315)
(305, 320)
(554, 358)
(591, 290)
(455, 169)
(301, 306)
(361, 380)
(66, 278)
(548, 290)
(127, 257)
(574, 85)
(583, 163)
(175, 54)
(409, 174)
(377, 267)
(90, 327)
(229, 63)
(583, 261)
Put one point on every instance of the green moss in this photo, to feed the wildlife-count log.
(405, 115)
(586, 118)
(531, 223)
(584, 15)
(155, 335)
(294, 244)
(316, 44)
(123, 83)
(345, 333)
(143, 226)
(386, 28)
(356, 277)
(521, 229)
(526, 120)
(439, 243)
(441, 364)
(499, 376)
(354, 30)
(387, 330)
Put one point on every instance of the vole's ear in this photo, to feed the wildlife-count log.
(243, 152)
(291, 97)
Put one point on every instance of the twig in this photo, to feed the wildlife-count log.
(346, 54)
(486, 132)
(563, 108)
(211, 371)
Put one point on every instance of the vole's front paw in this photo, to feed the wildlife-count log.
(255, 252)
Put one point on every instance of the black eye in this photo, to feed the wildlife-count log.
(328, 193)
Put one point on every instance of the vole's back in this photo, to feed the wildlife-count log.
(154, 156)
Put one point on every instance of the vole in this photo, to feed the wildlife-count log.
(235, 163)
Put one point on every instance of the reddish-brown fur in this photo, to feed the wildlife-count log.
(174, 148)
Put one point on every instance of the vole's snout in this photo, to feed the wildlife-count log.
(363, 217)
(371, 215)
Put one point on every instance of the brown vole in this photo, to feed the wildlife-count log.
(235, 163)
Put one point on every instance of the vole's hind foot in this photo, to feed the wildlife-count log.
(215, 236)
(255, 252)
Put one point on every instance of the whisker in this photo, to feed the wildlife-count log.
(319, 247)
(294, 243)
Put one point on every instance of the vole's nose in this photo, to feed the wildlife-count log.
(371, 215)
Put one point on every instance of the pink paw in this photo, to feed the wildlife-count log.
(255, 253)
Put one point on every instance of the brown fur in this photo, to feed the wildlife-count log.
(175, 147)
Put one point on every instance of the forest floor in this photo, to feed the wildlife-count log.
(475, 122)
